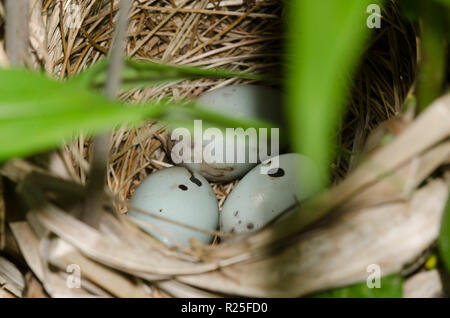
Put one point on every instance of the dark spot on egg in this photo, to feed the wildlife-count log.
(240, 222)
(250, 226)
(195, 181)
(232, 230)
(276, 173)
(236, 213)
(183, 187)
(160, 210)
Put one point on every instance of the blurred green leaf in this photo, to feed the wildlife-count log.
(326, 40)
(411, 9)
(38, 113)
(390, 287)
(139, 74)
(444, 2)
(435, 31)
(189, 112)
(444, 238)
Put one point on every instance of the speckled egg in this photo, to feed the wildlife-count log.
(259, 197)
(237, 101)
(182, 196)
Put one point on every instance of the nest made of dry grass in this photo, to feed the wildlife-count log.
(201, 33)
(214, 34)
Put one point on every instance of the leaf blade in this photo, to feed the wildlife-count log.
(324, 48)
(390, 287)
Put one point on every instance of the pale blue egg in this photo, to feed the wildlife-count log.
(240, 101)
(182, 196)
(260, 198)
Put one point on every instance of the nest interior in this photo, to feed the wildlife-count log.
(213, 34)
(210, 34)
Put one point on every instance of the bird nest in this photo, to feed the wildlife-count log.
(386, 201)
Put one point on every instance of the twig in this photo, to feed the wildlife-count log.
(117, 48)
(99, 166)
(16, 49)
(218, 36)
(92, 42)
(152, 32)
(16, 31)
(63, 40)
(211, 12)
(168, 220)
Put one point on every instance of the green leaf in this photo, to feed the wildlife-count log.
(326, 40)
(444, 238)
(413, 9)
(37, 113)
(410, 8)
(435, 33)
(390, 287)
(444, 2)
(189, 113)
(139, 74)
